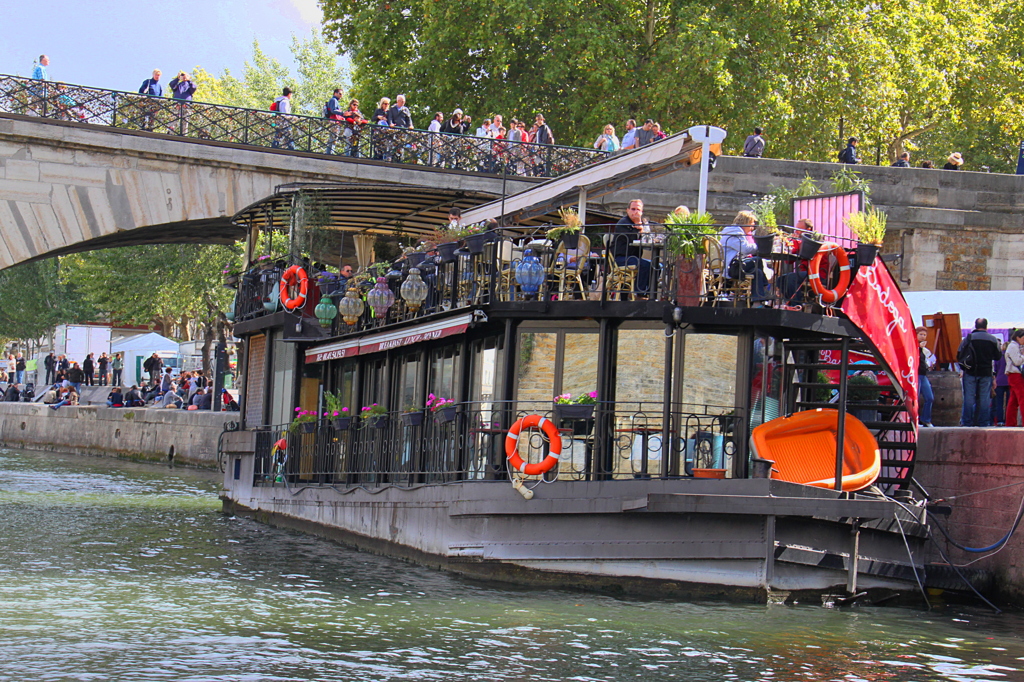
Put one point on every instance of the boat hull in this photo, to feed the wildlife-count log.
(739, 539)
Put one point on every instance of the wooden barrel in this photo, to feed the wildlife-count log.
(949, 398)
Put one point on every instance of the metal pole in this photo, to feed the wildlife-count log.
(844, 363)
(702, 192)
(851, 577)
(583, 205)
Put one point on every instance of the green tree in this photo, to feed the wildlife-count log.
(34, 300)
(911, 74)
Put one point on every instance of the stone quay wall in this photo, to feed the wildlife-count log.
(148, 434)
(956, 462)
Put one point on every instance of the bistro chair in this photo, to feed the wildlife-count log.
(620, 280)
(720, 288)
(568, 267)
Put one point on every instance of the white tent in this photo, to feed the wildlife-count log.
(135, 349)
(1002, 309)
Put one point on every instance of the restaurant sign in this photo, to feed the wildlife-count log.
(387, 341)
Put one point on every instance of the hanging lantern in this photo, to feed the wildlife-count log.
(351, 307)
(325, 311)
(380, 298)
(414, 290)
(530, 273)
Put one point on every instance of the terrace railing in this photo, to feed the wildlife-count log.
(258, 128)
(601, 266)
(467, 442)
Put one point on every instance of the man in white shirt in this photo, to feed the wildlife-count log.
(434, 142)
(629, 139)
(283, 121)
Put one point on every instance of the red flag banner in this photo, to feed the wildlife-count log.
(876, 305)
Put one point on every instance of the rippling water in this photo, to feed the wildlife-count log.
(118, 571)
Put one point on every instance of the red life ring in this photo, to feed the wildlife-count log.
(512, 445)
(830, 295)
(292, 277)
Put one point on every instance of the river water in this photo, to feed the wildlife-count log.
(117, 571)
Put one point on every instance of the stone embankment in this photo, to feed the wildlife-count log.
(148, 434)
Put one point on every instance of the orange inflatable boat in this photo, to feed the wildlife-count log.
(803, 447)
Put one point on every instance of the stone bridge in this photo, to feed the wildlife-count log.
(69, 187)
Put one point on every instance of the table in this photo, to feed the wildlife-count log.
(645, 434)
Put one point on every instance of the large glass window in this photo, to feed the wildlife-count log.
(282, 386)
(640, 368)
(410, 393)
(709, 371)
(444, 377)
(536, 367)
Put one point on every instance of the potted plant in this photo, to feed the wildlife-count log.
(304, 421)
(688, 232)
(569, 231)
(447, 241)
(765, 232)
(374, 416)
(412, 415)
(339, 415)
(265, 262)
(580, 407)
(869, 228)
(443, 409)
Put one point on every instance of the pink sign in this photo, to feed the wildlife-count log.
(826, 213)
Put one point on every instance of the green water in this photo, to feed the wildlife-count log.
(117, 571)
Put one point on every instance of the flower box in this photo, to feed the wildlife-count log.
(342, 423)
(308, 427)
(445, 414)
(412, 418)
(585, 411)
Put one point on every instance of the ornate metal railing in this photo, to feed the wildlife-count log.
(258, 128)
(467, 442)
(601, 266)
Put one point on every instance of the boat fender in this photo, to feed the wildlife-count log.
(814, 272)
(512, 445)
(295, 276)
(517, 484)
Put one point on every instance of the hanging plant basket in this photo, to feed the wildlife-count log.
(475, 243)
(415, 258)
(378, 422)
(866, 254)
(412, 418)
(308, 427)
(445, 414)
(808, 247)
(446, 251)
(574, 411)
(342, 423)
(571, 240)
(231, 281)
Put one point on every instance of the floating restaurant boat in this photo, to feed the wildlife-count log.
(463, 442)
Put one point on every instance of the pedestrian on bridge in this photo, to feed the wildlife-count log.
(39, 73)
(151, 87)
(283, 121)
(182, 89)
(333, 113)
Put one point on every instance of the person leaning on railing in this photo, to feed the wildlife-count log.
(354, 122)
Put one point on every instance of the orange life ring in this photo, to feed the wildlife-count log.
(512, 445)
(294, 276)
(813, 274)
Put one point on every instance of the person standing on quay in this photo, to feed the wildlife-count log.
(116, 365)
(103, 363)
(976, 375)
(926, 359)
(754, 145)
(49, 362)
(849, 155)
(1014, 367)
(19, 368)
(89, 370)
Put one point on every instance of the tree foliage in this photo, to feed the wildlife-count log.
(34, 300)
(925, 75)
(264, 77)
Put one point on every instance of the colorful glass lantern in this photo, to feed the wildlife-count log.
(380, 298)
(351, 307)
(530, 273)
(414, 290)
(326, 311)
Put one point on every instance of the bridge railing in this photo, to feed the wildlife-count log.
(258, 128)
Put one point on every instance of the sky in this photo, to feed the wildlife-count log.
(115, 44)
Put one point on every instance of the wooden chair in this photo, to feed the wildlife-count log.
(720, 288)
(496, 261)
(619, 280)
(568, 267)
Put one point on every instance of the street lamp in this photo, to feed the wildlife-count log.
(707, 136)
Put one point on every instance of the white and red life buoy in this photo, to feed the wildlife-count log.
(512, 445)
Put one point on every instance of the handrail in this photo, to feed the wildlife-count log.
(203, 121)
